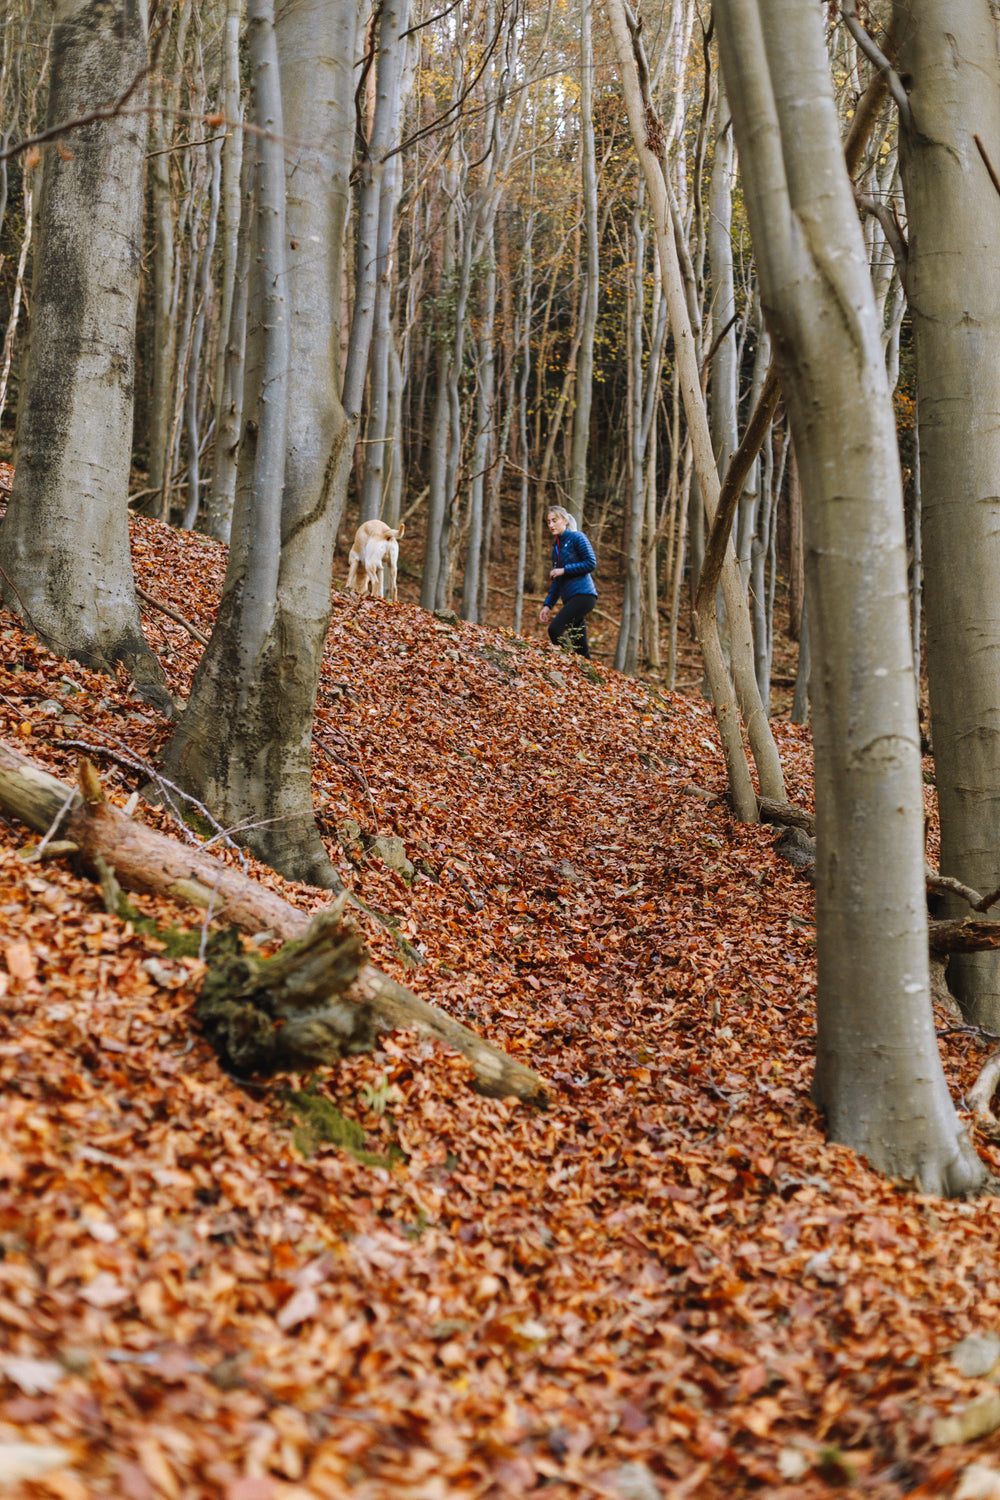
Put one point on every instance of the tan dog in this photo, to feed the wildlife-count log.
(376, 546)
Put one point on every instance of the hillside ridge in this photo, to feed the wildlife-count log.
(666, 1284)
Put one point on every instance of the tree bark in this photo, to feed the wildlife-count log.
(64, 544)
(231, 334)
(244, 744)
(948, 52)
(878, 1074)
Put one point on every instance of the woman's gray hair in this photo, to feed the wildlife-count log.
(557, 510)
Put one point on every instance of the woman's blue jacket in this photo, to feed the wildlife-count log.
(573, 552)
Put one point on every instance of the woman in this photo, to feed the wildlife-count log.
(573, 562)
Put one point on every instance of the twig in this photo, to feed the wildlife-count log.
(165, 787)
(108, 112)
(203, 944)
(205, 141)
(980, 1031)
(173, 614)
(55, 822)
(717, 343)
(357, 771)
(24, 607)
(890, 228)
(987, 163)
(957, 888)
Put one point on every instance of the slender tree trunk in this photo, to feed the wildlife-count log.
(484, 443)
(796, 558)
(203, 291)
(722, 387)
(233, 279)
(522, 339)
(7, 357)
(436, 551)
(163, 296)
(627, 651)
(592, 282)
(800, 701)
(64, 545)
(758, 730)
(384, 183)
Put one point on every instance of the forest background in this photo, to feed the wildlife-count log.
(329, 266)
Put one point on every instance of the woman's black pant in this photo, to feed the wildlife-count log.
(572, 622)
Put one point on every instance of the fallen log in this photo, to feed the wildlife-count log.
(964, 935)
(143, 859)
(772, 811)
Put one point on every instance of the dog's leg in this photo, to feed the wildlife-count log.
(391, 560)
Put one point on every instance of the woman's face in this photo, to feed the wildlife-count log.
(557, 524)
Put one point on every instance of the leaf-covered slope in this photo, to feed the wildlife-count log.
(666, 1284)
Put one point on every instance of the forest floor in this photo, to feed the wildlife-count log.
(665, 1285)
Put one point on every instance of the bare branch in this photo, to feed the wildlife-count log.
(874, 53)
(890, 228)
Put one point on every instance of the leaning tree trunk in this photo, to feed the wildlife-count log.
(648, 140)
(878, 1074)
(244, 743)
(948, 49)
(64, 545)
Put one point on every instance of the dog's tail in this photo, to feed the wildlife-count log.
(402, 527)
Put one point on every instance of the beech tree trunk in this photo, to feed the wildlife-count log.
(231, 338)
(878, 1074)
(592, 282)
(948, 52)
(371, 331)
(64, 544)
(245, 740)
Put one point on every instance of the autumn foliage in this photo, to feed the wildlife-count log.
(666, 1284)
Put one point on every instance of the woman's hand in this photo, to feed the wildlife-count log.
(543, 615)
(557, 572)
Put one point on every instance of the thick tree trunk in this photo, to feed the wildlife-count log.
(948, 49)
(64, 544)
(878, 1074)
(244, 743)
